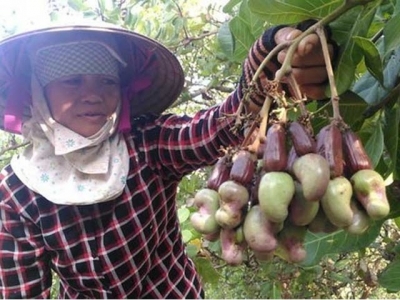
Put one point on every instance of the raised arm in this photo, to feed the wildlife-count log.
(183, 144)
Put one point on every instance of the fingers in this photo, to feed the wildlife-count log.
(286, 34)
(314, 91)
(309, 51)
(312, 81)
(308, 56)
(310, 75)
(308, 63)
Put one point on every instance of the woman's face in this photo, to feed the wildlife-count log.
(83, 103)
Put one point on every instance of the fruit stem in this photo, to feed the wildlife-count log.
(285, 69)
(297, 94)
(331, 77)
(264, 113)
(271, 54)
(247, 138)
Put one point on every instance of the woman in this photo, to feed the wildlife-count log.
(93, 195)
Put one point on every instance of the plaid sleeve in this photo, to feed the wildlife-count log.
(24, 267)
(255, 57)
(178, 145)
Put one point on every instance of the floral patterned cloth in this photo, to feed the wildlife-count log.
(65, 167)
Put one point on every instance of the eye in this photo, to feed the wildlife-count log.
(74, 81)
(109, 81)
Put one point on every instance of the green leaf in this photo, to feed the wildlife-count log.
(186, 235)
(276, 291)
(391, 34)
(391, 135)
(341, 278)
(228, 8)
(131, 18)
(292, 11)
(372, 58)
(243, 38)
(390, 277)
(225, 40)
(355, 22)
(190, 184)
(382, 168)
(246, 28)
(253, 22)
(351, 108)
(321, 244)
(206, 270)
(215, 246)
(375, 144)
(371, 90)
(192, 250)
(183, 214)
(78, 5)
(396, 172)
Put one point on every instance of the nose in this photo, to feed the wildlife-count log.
(91, 92)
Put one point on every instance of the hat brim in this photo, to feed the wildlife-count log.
(153, 78)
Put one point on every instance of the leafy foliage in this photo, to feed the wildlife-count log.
(211, 42)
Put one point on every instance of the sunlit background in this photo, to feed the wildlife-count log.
(17, 15)
(22, 15)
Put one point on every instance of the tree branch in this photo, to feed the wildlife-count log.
(13, 147)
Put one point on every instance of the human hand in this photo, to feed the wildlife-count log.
(308, 64)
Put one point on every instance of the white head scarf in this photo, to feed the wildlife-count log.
(61, 165)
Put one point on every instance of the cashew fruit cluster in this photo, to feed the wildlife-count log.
(263, 203)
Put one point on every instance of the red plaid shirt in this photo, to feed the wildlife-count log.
(130, 247)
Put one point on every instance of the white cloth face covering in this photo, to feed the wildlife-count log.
(65, 167)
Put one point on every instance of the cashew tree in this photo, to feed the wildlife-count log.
(211, 40)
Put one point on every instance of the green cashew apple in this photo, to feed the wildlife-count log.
(321, 223)
(369, 188)
(233, 199)
(336, 202)
(203, 220)
(361, 221)
(302, 211)
(313, 172)
(275, 192)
